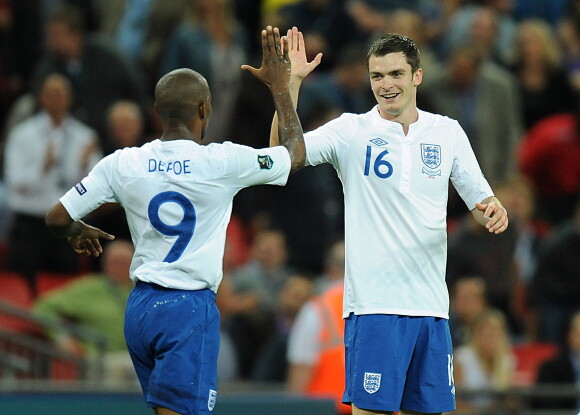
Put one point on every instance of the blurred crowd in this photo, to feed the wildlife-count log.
(77, 80)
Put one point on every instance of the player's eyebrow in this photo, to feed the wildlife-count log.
(399, 71)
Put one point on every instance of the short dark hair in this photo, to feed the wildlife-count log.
(394, 43)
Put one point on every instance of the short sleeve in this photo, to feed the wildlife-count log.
(303, 342)
(92, 191)
(328, 142)
(252, 166)
(466, 175)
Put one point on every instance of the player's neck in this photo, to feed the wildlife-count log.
(177, 132)
(405, 119)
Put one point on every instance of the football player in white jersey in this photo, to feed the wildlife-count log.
(177, 195)
(395, 163)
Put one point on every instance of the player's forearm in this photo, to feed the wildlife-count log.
(61, 224)
(289, 129)
(294, 87)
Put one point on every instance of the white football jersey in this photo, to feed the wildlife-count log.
(177, 197)
(395, 190)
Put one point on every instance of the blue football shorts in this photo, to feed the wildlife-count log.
(173, 340)
(399, 362)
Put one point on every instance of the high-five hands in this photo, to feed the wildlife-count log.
(275, 70)
(496, 215)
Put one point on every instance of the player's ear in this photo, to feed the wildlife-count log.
(418, 77)
(202, 111)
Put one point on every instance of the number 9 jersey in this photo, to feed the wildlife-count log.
(177, 197)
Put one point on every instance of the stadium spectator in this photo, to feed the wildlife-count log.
(140, 29)
(555, 288)
(569, 36)
(333, 270)
(469, 249)
(96, 302)
(227, 365)
(99, 75)
(265, 272)
(486, 362)
(316, 346)
(518, 197)
(543, 85)
(212, 43)
(487, 25)
(562, 370)
(257, 286)
(125, 126)
(271, 364)
(45, 155)
(468, 301)
(473, 92)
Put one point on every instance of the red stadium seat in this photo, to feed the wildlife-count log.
(529, 357)
(48, 281)
(14, 291)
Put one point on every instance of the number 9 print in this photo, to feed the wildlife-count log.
(183, 230)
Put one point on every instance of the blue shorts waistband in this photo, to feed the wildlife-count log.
(142, 285)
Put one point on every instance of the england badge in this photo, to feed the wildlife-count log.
(372, 382)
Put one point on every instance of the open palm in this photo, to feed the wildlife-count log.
(300, 67)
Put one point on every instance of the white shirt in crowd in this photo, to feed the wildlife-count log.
(31, 190)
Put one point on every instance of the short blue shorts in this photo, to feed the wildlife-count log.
(399, 362)
(173, 339)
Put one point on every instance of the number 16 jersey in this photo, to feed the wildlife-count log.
(177, 197)
(395, 190)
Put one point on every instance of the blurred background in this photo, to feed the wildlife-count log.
(76, 83)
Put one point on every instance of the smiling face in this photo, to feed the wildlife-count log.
(395, 86)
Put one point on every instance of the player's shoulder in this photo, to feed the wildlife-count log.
(131, 154)
(431, 119)
(439, 124)
(345, 124)
(352, 118)
(229, 149)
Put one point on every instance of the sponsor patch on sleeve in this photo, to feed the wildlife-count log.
(265, 162)
(81, 189)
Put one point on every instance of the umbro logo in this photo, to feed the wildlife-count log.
(378, 141)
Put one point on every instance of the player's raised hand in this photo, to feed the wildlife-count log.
(496, 215)
(300, 67)
(275, 70)
(86, 240)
